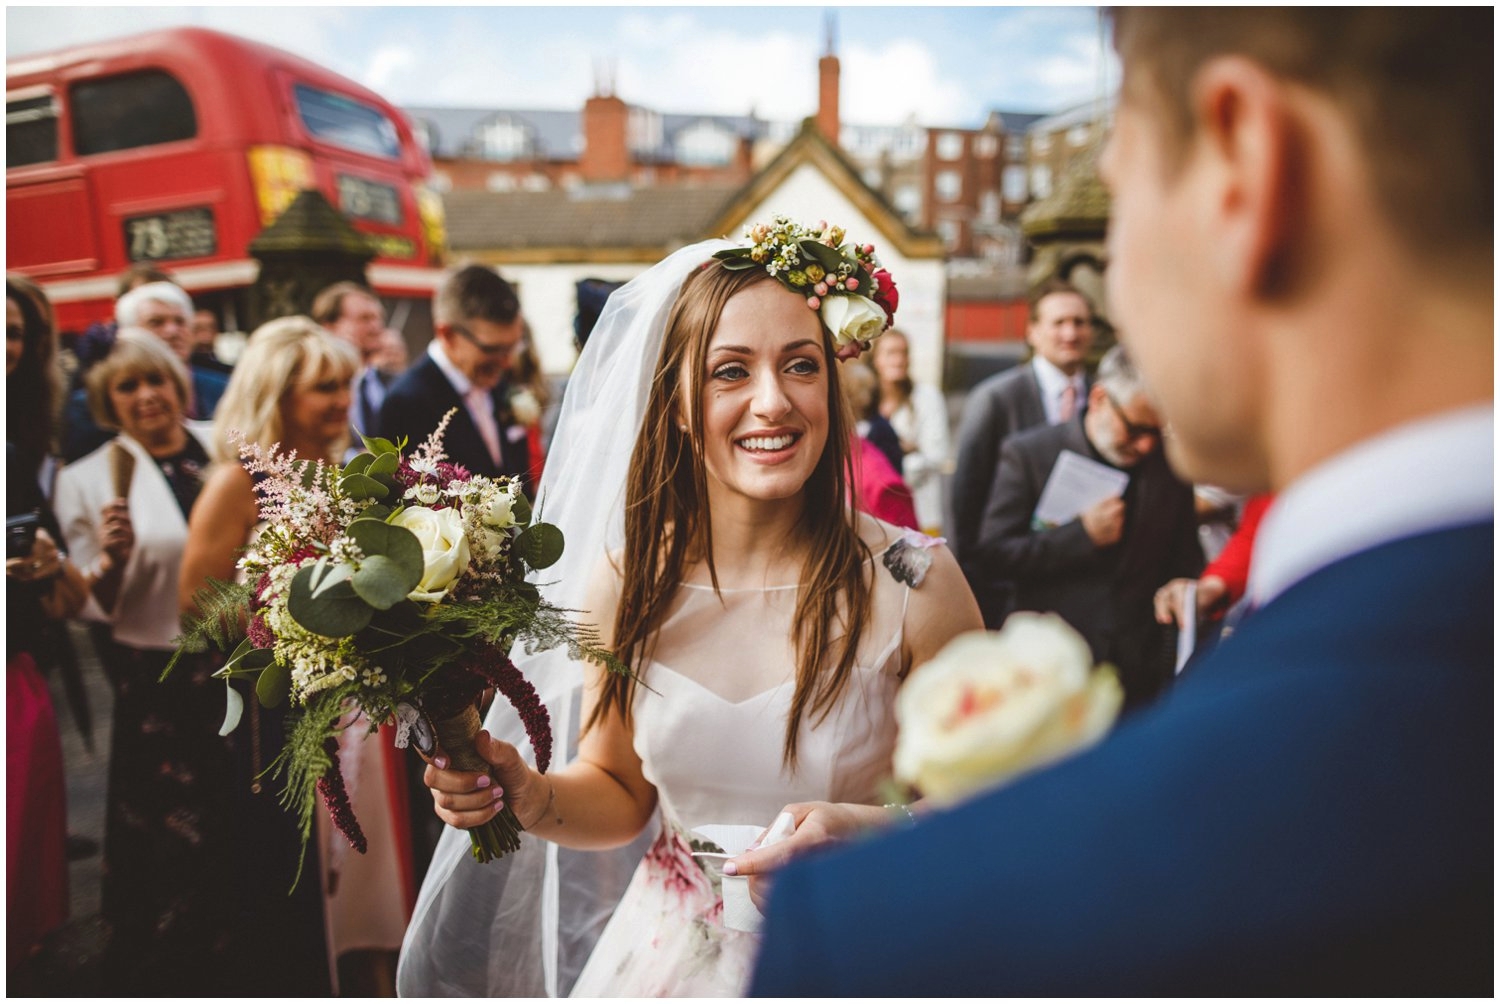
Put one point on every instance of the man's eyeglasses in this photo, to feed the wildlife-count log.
(494, 351)
(1132, 430)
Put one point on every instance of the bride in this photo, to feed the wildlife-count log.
(762, 615)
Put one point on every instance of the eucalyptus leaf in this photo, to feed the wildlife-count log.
(326, 576)
(381, 582)
(377, 511)
(824, 255)
(274, 684)
(540, 545)
(397, 543)
(362, 486)
(520, 510)
(384, 465)
(359, 465)
(233, 709)
(335, 614)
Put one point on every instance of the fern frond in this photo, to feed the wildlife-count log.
(220, 622)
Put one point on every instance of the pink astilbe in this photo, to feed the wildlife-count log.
(336, 800)
(497, 670)
(431, 450)
(310, 512)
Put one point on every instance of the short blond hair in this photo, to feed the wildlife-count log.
(136, 352)
(281, 356)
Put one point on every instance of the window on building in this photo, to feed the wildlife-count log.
(949, 185)
(950, 146)
(907, 199)
(1079, 134)
(909, 143)
(30, 130)
(504, 139)
(426, 135)
(1015, 148)
(871, 176)
(1040, 143)
(536, 183)
(989, 207)
(950, 232)
(131, 110)
(500, 181)
(705, 144)
(1013, 183)
(1041, 181)
(986, 145)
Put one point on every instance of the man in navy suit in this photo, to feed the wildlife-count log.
(477, 325)
(1048, 390)
(1301, 262)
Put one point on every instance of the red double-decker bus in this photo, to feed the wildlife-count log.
(178, 147)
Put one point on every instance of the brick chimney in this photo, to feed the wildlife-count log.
(828, 90)
(606, 130)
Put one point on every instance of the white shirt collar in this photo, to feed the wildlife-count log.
(1052, 380)
(1432, 474)
(453, 373)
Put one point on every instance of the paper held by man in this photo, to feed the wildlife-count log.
(1076, 483)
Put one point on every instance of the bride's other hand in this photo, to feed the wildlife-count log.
(818, 824)
(466, 799)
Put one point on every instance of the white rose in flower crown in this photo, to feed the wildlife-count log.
(992, 705)
(445, 549)
(851, 318)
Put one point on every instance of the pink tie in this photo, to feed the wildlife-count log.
(483, 412)
(1067, 404)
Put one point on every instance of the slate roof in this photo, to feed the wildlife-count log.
(600, 217)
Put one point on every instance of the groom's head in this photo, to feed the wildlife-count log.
(1298, 193)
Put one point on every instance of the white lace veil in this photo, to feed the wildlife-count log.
(523, 925)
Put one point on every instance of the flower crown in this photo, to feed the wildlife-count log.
(854, 296)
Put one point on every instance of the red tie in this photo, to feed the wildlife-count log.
(1067, 404)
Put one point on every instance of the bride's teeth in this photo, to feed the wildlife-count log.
(767, 443)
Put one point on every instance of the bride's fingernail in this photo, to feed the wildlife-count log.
(440, 762)
(499, 794)
(484, 781)
(730, 869)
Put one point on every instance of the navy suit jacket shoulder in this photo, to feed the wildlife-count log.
(1310, 812)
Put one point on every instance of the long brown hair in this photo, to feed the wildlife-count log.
(668, 523)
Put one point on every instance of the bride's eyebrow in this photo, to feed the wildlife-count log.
(745, 350)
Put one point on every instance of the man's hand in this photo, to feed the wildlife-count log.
(1104, 522)
(1169, 599)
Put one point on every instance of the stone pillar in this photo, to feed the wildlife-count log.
(310, 246)
(1066, 233)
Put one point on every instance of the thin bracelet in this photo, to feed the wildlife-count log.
(551, 801)
(897, 807)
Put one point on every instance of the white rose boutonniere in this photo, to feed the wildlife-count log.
(992, 705)
(525, 407)
(852, 319)
(445, 549)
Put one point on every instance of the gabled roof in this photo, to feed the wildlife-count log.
(810, 147)
(613, 223)
(1013, 122)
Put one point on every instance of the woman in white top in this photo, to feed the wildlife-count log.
(763, 617)
(124, 512)
(919, 414)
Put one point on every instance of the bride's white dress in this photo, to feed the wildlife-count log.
(709, 727)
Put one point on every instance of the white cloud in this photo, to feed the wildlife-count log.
(899, 82)
(387, 63)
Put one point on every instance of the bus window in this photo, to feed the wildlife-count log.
(30, 131)
(131, 110)
(336, 119)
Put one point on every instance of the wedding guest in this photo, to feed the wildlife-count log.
(1223, 581)
(919, 415)
(352, 312)
(41, 586)
(124, 511)
(292, 387)
(1301, 253)
(1049, 390)
(477, 328)
(878, 489)
(1100, 570)
(700, 481)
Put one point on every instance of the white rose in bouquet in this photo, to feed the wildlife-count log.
(445, 549)
(992, 705)
(852, 318)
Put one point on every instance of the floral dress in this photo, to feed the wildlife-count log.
(709, 726)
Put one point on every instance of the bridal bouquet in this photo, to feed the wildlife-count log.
(993, 705)
(391, 590)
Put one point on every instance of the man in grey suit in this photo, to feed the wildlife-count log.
(1047, 390)
(1101, 569)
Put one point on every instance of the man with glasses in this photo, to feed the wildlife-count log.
(477, 326)
(1100, 570)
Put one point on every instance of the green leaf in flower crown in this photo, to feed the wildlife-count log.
(336, 613)
(362, 486)
(400, 545)
(824, 255)
(234, 707)
(274, 684)
(736, 259)
(381, 582)
(384, 465)
(359, 465)
(540, 545)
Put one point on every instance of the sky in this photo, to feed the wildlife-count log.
(932, 65)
